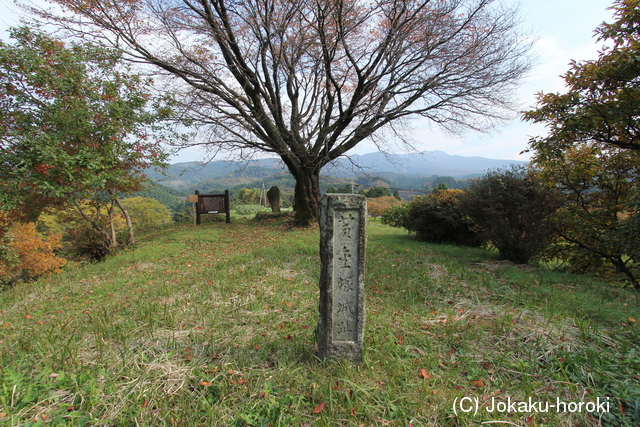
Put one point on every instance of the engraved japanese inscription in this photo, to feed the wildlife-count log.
(345, 272)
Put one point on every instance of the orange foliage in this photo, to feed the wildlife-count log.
(380, 204)
(27, 255)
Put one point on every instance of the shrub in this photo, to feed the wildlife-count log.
(437, 218)
(27, 255)
(249, 210)
(81, 238)
(83, 242)
(512, 210)
(395, 215)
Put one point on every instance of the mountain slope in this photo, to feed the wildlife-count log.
(426, 163)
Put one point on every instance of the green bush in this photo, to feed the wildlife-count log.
(512, 210)
(250, 210)
(437, 218)
(394, 215)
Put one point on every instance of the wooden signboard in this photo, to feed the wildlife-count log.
(211, 204)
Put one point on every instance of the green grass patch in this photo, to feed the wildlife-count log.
(215, 326)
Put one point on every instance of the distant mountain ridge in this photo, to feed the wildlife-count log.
(427, 163)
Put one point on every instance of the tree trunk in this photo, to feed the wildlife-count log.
(306, 197)
(131, 240)
(112, 225)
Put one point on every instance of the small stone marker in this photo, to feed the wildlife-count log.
(274, 199)
(342, 301)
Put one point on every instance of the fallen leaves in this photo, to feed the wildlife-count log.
(319, 408)
(424, 374)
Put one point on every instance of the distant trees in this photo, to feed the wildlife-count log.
(343, 189)
(77, 125)
(310, 80)
(248, 196)
(375, 192)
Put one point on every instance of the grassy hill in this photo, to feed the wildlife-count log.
(214, 326)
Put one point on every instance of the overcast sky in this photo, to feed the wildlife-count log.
(564, 30)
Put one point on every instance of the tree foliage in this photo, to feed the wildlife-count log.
(310, 80)
(25, 254)
(591, 151)
(512, 210)
(146, 212)
(601, 103)
(600, 214)
(76, 125)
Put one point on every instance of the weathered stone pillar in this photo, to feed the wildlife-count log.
(274, 199)
(343, 219)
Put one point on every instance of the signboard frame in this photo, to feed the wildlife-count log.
(211, 204)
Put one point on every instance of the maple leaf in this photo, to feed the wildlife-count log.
(319, 408)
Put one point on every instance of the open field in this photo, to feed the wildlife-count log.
(214, 326)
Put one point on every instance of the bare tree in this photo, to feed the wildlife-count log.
(308, 80)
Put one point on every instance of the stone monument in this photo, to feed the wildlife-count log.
(342, 301)
(274, 199)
